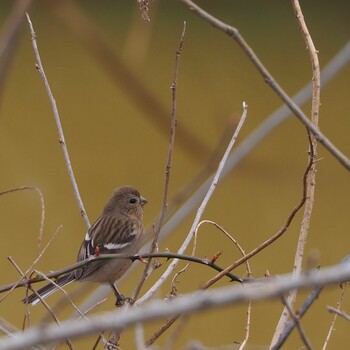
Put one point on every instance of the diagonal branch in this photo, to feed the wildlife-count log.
(200, 210)
(235, 35)
(61, 139)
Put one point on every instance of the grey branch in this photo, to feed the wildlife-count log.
(190, 303)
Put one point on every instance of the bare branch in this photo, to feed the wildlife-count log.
(311, 176)
(338, 62)
(338, 312)
(200, 300)
(200, 211)
(331, 69)
(169, 322)
(159, 225)
(61, 139)
(41, 277)
(274, 237)
(235, 35)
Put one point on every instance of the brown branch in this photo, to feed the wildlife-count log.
(200, 210)
(154, 246)
(233, 33)
(274, 237)
(61, 138)
(86, 262)
(170, 321)
(246, 257)
(311, 177)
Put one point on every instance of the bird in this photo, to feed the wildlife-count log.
(119, 230)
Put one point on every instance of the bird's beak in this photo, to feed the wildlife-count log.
(143, 201)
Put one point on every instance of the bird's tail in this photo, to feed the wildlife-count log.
(49, 289)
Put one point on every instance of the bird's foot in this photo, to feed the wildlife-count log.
(122, 300)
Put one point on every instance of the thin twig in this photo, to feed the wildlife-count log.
(249, 274)
(200, 211)
(159, 225)
(274, 237)
(308, 197)
(169, 322)
(24, 281)
(235, 35)
(61, 138)
(68, 298)
(42, 204)
(40, 234)
(92, 259)
(68, 342)
(336, 313)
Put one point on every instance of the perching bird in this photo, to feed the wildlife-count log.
(118, 230)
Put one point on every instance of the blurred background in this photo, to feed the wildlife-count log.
(110, 73)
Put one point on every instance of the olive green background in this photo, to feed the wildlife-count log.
(112, 141)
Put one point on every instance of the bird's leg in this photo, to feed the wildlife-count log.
(121, 300)
(120, 297)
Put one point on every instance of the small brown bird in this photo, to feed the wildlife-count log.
(118, 230)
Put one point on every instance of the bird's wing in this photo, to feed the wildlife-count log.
(108, 235)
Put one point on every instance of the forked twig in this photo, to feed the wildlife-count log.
(170, 321)
(68, 342)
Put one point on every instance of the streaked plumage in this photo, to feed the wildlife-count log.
(118, 230)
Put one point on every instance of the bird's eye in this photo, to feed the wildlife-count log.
(132, 200)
